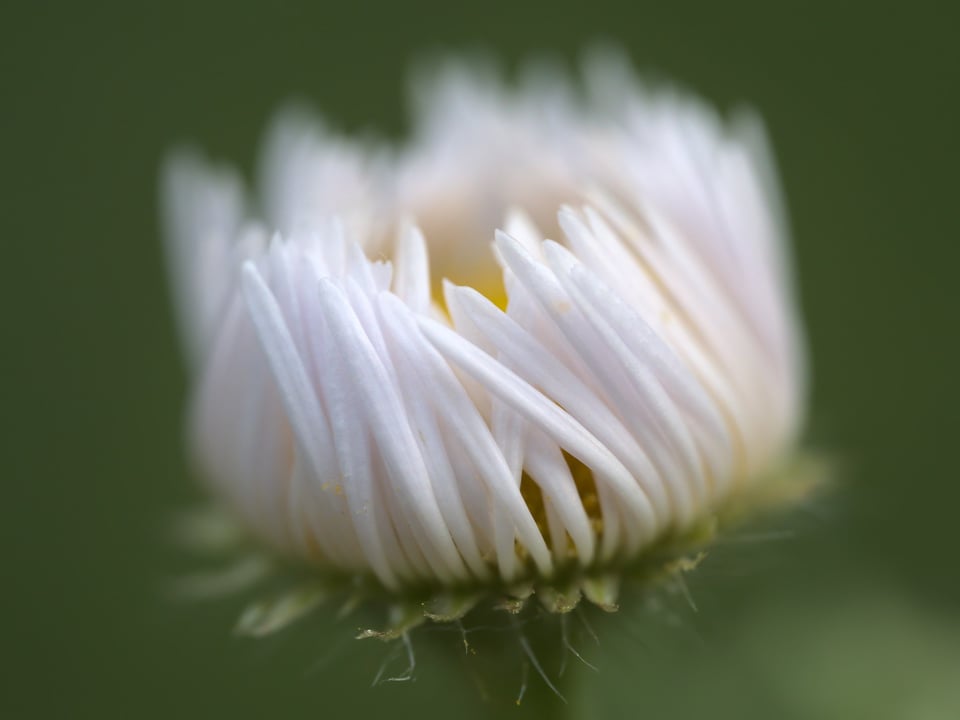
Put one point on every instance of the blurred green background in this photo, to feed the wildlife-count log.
(857, 616)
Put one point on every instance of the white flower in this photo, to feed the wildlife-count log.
(379, 390)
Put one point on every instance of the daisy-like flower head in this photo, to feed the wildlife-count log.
(553, 329)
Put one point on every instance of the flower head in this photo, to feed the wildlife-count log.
(553, 329)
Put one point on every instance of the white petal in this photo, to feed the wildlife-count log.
(391, 432)
(554, 422)
(463, 419)
(412, 282)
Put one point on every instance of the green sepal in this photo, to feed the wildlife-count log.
(515, 599)
(603, 591)
(240, 575)
(449, 607)
(403, 618)
(266, 617)
(559, 600)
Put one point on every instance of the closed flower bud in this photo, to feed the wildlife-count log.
(552, 332)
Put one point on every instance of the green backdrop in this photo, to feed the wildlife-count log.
(858, 615)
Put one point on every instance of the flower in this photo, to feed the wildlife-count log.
(380, 392)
